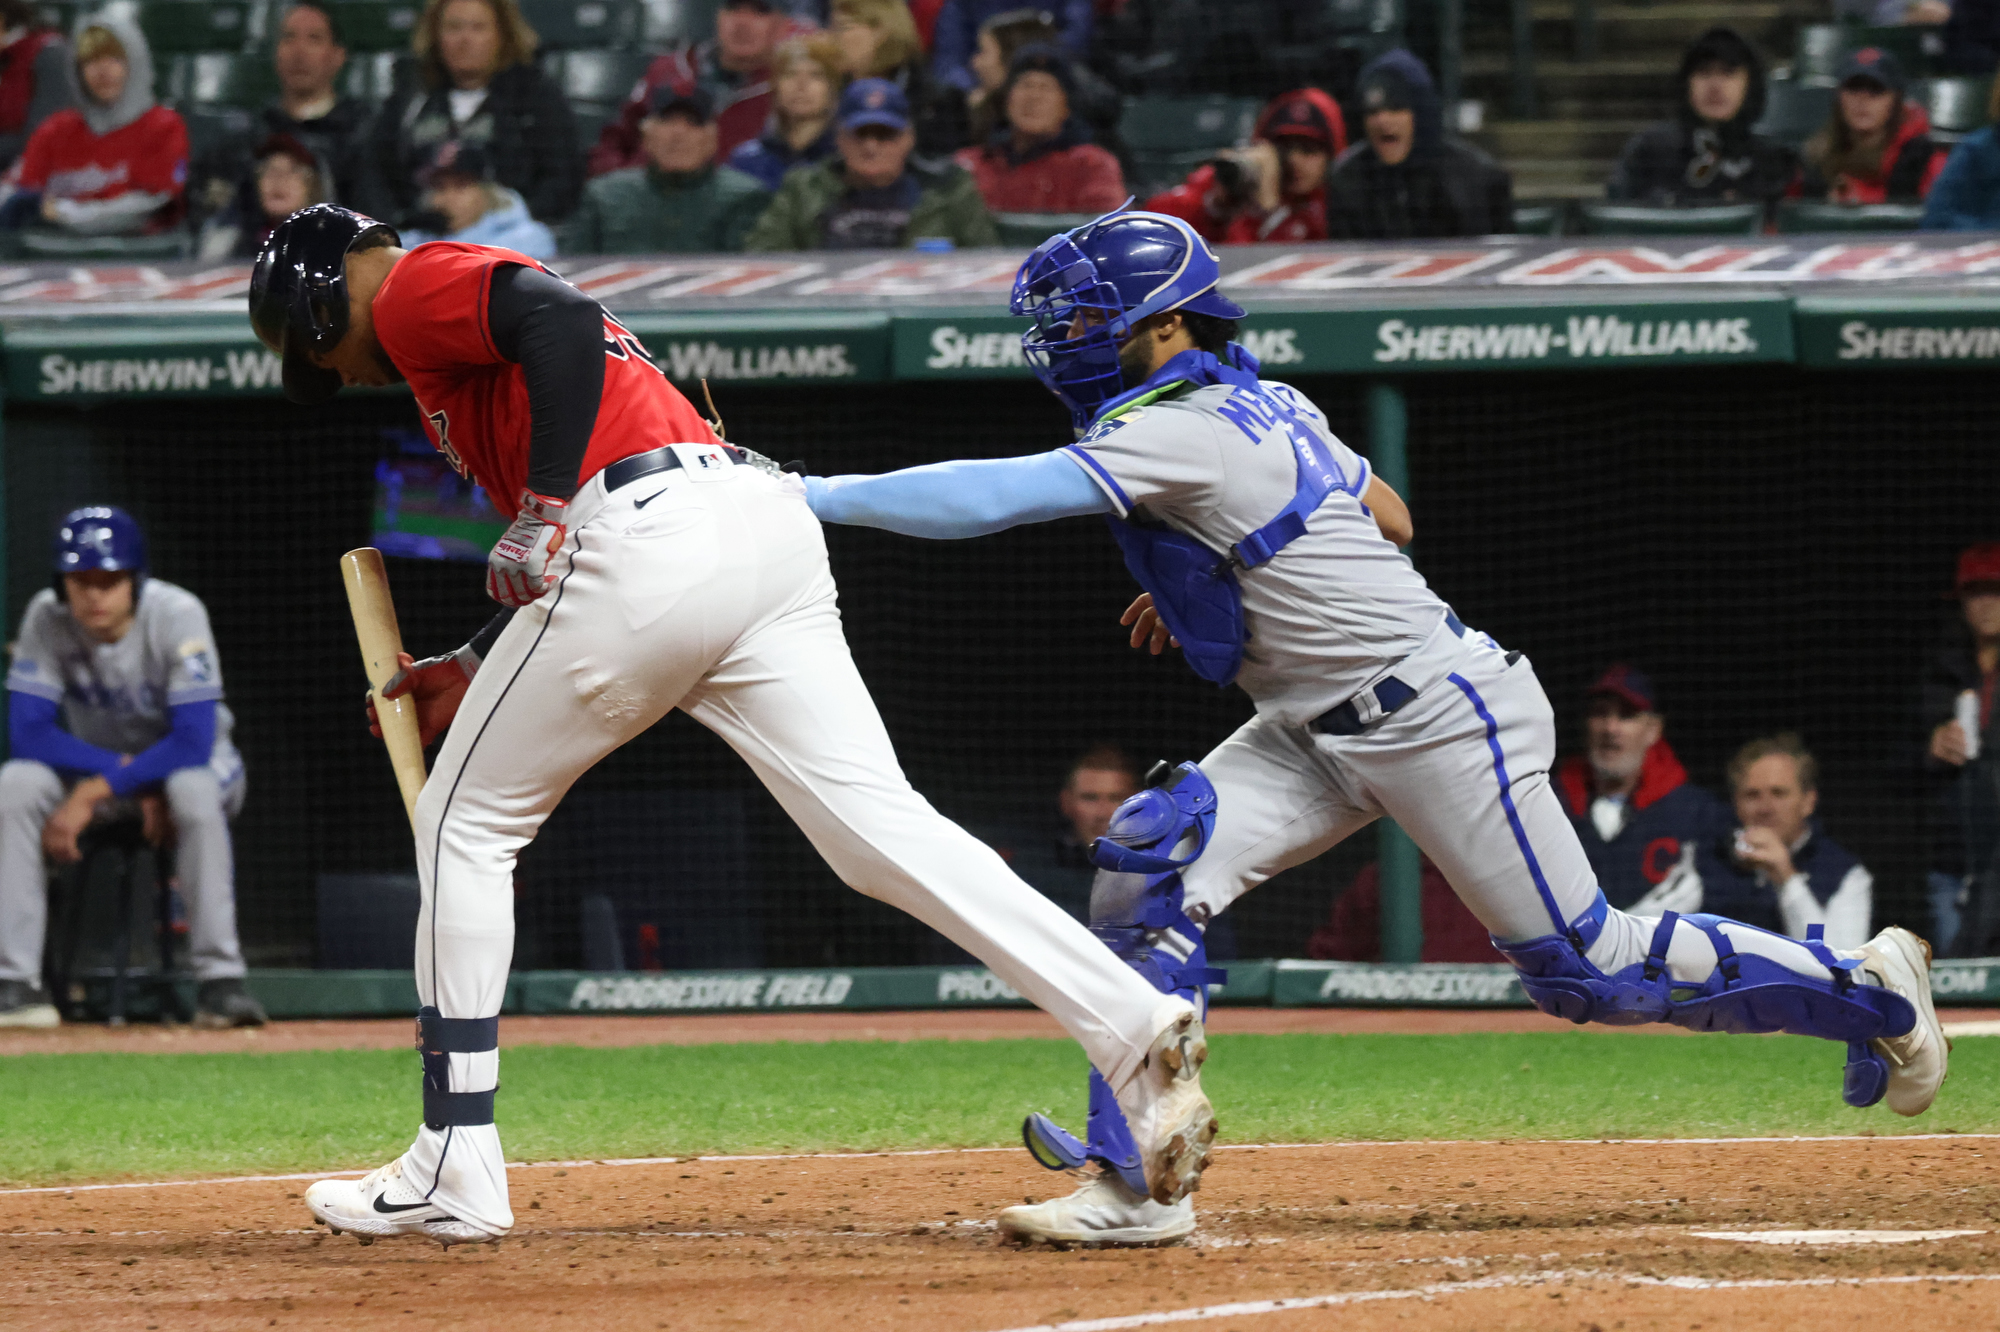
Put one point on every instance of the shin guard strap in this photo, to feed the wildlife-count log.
(443, 1109)
(438, 1034)
(1656, 951)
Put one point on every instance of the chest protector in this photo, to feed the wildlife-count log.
(1194, 588)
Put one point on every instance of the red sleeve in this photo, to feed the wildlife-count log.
(431, 311)
(161, 165)
(37, 159)
(1353, 930)
(1100, 182)
(1938, 158)
(1189, 202)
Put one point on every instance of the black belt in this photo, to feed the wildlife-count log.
(650, 463)
(1389, 694)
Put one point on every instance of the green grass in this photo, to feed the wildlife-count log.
(71, 1118)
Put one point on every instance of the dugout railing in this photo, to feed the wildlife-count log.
(1746, 463)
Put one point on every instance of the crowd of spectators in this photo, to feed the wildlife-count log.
(904, 123)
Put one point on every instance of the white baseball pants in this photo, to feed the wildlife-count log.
(709, 592)
(1464, 768)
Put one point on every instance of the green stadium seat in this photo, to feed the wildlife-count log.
(1618, 219)
(250, 81)
(1957, 106)
(174, 27)
(372, 77)
(572, 24)
(595, 76)
(1818, 52)
(33, 243)
(58, 14)
(1027, 230)
(368, 26)
(1797, 216)
(1794, 111)
(217, 78)
(1541, 217)
(1171, 136)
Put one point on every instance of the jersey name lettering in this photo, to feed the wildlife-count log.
(1249, 412)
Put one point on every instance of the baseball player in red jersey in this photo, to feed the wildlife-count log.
(647, 566)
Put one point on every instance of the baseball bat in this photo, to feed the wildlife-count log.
(375, 626)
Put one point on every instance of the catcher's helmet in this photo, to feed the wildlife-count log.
(1086, 288)
(99, 536)
(298, 292)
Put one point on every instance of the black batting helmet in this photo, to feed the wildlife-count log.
(298, 292)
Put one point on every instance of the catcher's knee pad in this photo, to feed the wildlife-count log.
(1745, 993)
(438, 1038)
(1149, 828)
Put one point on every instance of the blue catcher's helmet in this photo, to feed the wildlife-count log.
(99, 536)
(1086, 288)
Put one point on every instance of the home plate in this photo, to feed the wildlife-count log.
(1832, 1236)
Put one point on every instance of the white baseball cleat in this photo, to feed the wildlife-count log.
(383, 1203)
(1172, 1123)
(1103, 1211)
(1901, 962)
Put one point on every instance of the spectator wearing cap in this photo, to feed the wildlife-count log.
(116, 163)
(1966, 196)
(1627, 795)
(285, 176)
(478, 86)
(682, 201)
(1708, 153)
(1775, 868)
(463, 201)
(1876, 147)
(34, 78)
(1042, 160)
(733, 67)
(1274, 190)
(875, 195)
(878, 40)
(1962, 822)
(956, 37)
(806, 80)
(1407, 179)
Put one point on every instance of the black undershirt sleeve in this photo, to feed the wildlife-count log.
(556, 334)
(483, 641)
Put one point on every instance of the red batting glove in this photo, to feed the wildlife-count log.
(436, 683)
(517, 572)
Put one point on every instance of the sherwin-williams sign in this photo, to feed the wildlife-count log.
(1899, 334)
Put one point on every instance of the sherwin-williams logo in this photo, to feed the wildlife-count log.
(1587, 337)
(597, 994)
(237, 371)
(1273, 346)
(1861, 341)
(953, 350)
(709, 360)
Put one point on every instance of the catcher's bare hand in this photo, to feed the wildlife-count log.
(437, 684)
(1148, 629)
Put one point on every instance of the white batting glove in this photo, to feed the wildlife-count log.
(517, 571)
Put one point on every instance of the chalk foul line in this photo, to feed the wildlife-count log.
(1252, 1308)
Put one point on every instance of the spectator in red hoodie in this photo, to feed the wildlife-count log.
(1353, 929)
(1274, 190)
(34, 84)
(1042, 160)
(1876, 147)
(733, 67)
(1628, 797)
(117, 163)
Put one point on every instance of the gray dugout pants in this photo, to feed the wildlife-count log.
(204, 861)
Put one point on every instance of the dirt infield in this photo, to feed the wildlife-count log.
(1575, 1236)
(963, 1025)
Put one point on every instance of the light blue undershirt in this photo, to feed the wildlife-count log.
(960, 499)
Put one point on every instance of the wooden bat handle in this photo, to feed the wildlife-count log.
(375, 626)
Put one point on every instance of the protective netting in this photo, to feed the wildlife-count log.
(1772, 545)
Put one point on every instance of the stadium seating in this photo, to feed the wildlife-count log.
(595, 83)
(1957, 106)
(1818, 52)
(58, 14)
(567, 25)
(1617, 219)
(1171, 136)
(1798, 215)
(178, 27)
(1795, 111)
(1541, 217)
(372, 77)
(375, 25)
(1027, 230)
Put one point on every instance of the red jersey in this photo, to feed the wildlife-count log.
(66, 159)
(431, 317)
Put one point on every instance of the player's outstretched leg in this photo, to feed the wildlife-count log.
(788, 699)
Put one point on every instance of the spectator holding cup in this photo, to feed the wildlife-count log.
(1956, 697)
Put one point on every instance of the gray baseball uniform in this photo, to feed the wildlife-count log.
(117, 696)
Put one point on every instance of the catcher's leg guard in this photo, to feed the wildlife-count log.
(1743, 993)
(1155, 937)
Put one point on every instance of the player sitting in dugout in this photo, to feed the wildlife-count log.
(1774, 869)
(1275, 189)
(114, 708)
(1627, 795)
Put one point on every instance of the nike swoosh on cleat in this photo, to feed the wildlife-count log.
(640, 504)
(389, 1208)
